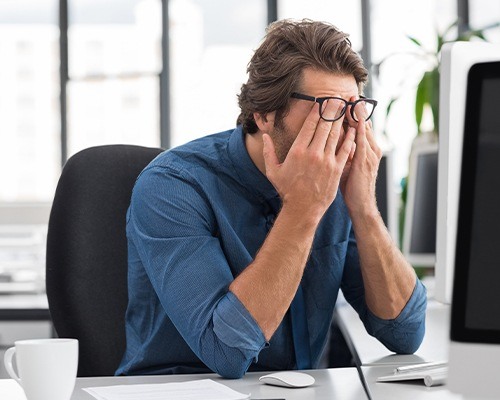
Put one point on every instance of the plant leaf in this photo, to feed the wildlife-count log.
(481, 36)
(449, 28)
(435, 98)
(466, 36)
(387, 112)
(389, 106)
(414, 40)
(440, 41)
(420, 100)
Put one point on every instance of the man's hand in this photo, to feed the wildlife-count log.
(388, 278)
(308, 179)
(307, 182)
(360, 174)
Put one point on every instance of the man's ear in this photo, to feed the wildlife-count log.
(265, 122)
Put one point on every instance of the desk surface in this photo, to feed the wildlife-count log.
(414, 390)
(370, 351)
(375, 360)
(339, 384)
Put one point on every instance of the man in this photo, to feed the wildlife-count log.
(239, 242)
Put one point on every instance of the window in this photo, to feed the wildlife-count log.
(392, 21)
(344, 15)
(29, 138)
(480, 19)
(114, 65)
(29, 125)
(211, 42)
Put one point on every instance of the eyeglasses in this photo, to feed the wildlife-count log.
(361, 108)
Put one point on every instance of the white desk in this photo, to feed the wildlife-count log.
(339, 384)
(375, 360)
(414, 390)
(369, 351)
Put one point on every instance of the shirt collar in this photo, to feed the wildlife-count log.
(249, 175)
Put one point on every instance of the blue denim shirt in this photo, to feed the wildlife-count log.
(198, 215)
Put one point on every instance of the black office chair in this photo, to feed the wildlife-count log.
(87, 252)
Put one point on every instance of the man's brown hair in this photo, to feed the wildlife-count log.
(275, 69)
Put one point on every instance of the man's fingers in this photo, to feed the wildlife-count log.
(353, 150)
(337, 137)
(360, 112)
(367, 140)
(342, 133)
(362, 126)
(308, 129)
(327, 130)
(347, 146)
(370, 136)
(348, 112)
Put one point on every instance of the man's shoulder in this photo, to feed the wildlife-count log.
(199, 153)
(193, 161)
(187, 172)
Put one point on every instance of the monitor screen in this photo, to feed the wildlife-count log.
(385, 193)
(476, 295)
(381, 190)
(419, 239)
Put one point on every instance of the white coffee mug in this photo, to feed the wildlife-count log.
(47, 367)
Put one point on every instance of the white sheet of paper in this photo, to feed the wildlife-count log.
(204, 389)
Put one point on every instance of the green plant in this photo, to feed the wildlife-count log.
(428, 87)
(427, 93)
(427, 90)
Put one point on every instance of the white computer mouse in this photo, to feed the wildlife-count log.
(291, 379)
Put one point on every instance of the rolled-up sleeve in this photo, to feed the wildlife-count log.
(176, 239)
(231, 318)
(405, 333)
(402, 335)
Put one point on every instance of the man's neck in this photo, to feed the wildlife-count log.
(254, 145)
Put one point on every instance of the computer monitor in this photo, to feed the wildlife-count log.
(419, 238)
(456, 60)
(474, 362)
(385, 192)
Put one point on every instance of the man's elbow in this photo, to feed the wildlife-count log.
(231, 373)
(415, 340)
(231, 370)
(410, 340)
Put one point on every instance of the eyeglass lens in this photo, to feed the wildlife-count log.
(361, 110)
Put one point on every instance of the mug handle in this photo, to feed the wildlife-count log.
(7, 359)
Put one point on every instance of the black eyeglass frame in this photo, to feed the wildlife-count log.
(321, 100)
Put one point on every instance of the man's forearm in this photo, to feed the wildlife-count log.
(388, 278)
(267, 286)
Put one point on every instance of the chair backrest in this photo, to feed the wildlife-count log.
(86, 270)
